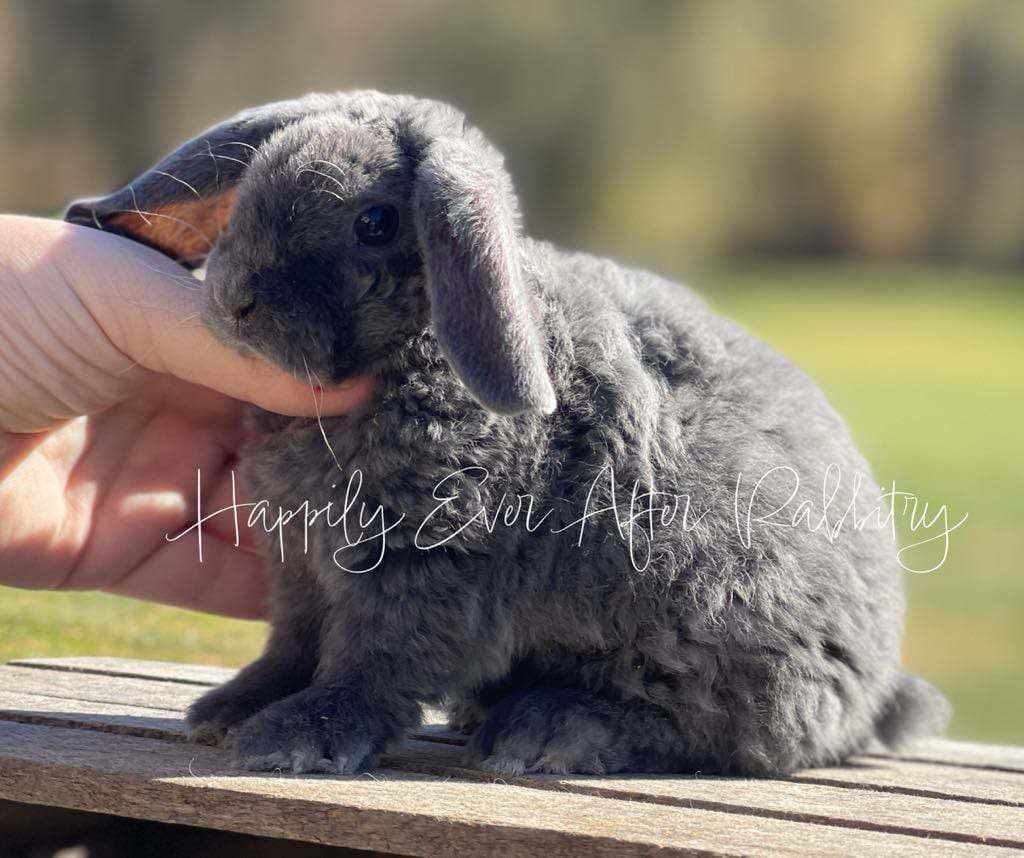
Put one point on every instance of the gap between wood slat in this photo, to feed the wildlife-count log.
(44, 720)
(405, 814)
(898, 790)
(164, 672)
(933, 761)
(116, 669)
(428, 759)
(147, 693)
(152, 693)
(126, 674)
(555, 785)
(172, 672)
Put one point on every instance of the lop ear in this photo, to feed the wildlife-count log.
(466, 221)
(181, 205)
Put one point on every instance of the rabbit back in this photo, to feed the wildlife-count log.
(769, 648)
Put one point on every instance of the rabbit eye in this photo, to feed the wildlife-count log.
(376, 225)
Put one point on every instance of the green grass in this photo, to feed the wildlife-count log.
(928, 369)
(37, 624)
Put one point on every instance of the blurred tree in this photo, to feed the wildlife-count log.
(658, 131)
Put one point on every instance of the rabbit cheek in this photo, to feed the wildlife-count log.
(342, 364)
(403, 265)
(340, 359)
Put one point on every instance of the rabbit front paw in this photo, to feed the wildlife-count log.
(212, 717)
(310, 732)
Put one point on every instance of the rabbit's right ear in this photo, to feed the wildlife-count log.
(467, 225)
(182, 204)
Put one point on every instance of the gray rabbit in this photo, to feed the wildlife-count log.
(586, 512)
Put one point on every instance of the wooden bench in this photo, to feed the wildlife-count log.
(104, 736)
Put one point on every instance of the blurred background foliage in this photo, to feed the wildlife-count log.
(659, 131)
(846, 177)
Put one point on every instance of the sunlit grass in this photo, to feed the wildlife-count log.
(928, 369)
(38, 624)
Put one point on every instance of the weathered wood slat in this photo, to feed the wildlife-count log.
(934, 790)
(188, 674)
(920, 779)
(128, 688)
(983, 786)
(165, 671)
(973, 754)
(401, 812)
(192, 674)
(86, 714)
(945, 820)
(101, 688)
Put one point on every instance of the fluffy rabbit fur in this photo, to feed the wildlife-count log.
(543, 373)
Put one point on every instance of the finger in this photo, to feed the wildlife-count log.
(228, 581)
(149, 307)
(229, 494)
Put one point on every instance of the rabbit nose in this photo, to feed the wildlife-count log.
(244, 308)
(247, 298)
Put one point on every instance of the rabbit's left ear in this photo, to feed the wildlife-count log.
(181, 205)
(466, 221)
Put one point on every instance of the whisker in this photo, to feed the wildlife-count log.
(240, 143)
(180, 182)
(325, 191)
(181, 323)
(216, 166)
(192, 283)
(135, 202)
(324, 161)
(316, 404)
(307, 169)
(184, 320)
(229, 158)
(143, 215)
(298, 197)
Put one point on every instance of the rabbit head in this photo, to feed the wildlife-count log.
(333, 227)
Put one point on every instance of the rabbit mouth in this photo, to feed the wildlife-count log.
(342, 365)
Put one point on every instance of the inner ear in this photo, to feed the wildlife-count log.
(182, 205)
(185, 230)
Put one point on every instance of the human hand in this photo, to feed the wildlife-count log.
(112, 394)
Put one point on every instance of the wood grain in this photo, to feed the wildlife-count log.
(100, 688)
(171, 695)
(973, 754)
(879, 773)
(394, 811)
(192, 674)
(805, 799)
(953, 794)
(942, 751)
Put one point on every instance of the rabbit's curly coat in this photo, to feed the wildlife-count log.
(564, 637)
